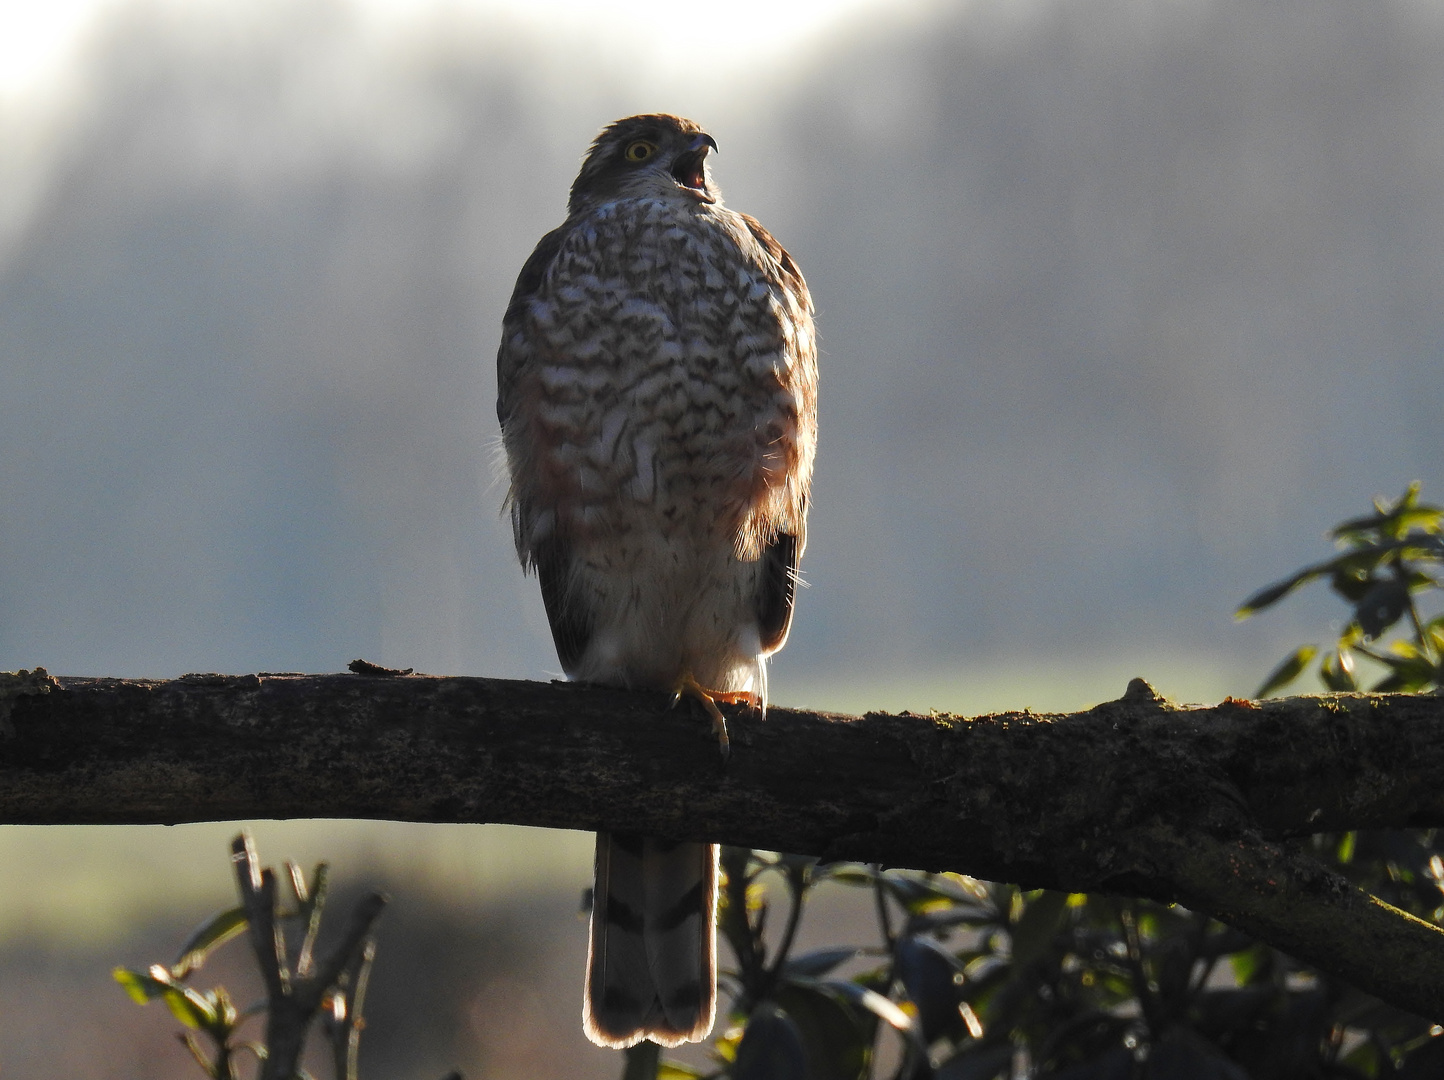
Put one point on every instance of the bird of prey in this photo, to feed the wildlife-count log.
(657, 392)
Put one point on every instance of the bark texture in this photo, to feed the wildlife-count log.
(1137, 796)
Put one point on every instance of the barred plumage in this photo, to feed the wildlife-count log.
(657, 396)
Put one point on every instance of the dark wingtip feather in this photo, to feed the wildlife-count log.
(571, 625)
(777, 592)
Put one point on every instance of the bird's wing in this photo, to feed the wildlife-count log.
(792, 279)
(545, 550)
(567, 612)
(777, 589)
(516, 345)
(785, 517)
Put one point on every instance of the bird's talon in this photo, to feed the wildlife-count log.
(708, 698)
(719, 728)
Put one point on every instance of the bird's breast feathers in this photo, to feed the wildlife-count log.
(665, 374)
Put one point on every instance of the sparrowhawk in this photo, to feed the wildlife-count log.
(657, 392)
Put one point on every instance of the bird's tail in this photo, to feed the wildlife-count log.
(652, 958)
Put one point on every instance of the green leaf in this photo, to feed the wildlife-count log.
(797, 869)
(1365, 1058)
(919, 892)
(1271, 595)
(771, 1048)
(927, 921)
(846, 873)
(1183, 1054)
(933, 980)
(1427, 548)
(1039, 923)
(1377, 522)
(982, 975)
(1393, 519)
(1251, 965)
(1158, 921)
(837, 1038)
(1345, 853)
(1288, 671)
(1418, 581)
(1398, 684)
(1424, 1062)
(1337, 671)
(1381, 607)
(724, 1046)
(1220, 1013)
(214, 931)
(675, 1070)
(873, 1002)
(977, 1063)
(1352, 584)
(190, 1008)
(1223, 941)
(141, 987)
(1411, 670)
(1423, 517)
(1113, 1064)
(811, 965)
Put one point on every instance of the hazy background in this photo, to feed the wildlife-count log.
(1122, 303)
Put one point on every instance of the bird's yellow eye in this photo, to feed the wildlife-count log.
(640, 150)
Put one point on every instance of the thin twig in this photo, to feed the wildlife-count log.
(794, 917)
(1143, 988)
(884, 921)
(257, 887)
(352, 942)
(344, 1030)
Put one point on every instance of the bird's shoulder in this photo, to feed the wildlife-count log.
(535, 281)
(581, 244)
(514, 350)
(787, 269)
(534, 271)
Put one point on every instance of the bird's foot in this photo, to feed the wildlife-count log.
(689, 686)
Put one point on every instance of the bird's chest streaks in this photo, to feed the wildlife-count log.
(661, 366)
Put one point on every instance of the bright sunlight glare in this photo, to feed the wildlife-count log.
(740, 30)
(37, 40)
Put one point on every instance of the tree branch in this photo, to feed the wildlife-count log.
(294, 998)
(1137, 796)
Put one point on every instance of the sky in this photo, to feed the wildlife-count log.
(39, 43)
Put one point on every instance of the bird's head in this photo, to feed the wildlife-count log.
(654, 156)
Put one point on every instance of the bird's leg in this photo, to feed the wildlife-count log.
(688, 685)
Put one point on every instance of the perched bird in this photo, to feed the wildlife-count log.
(657, 392)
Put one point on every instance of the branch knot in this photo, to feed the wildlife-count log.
(18, 684)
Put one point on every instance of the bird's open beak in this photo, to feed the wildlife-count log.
(688, 170)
